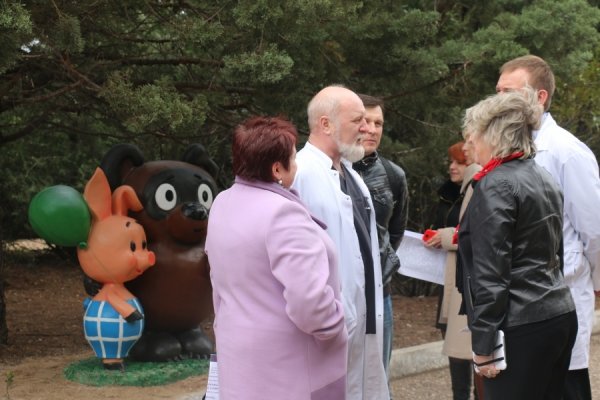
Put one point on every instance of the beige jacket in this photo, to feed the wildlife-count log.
(457, 343)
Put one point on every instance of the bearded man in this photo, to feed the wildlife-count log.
(335, 194)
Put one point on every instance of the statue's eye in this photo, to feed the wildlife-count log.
(166, 197)
(132, 245)
(144, 245)
(205, 195)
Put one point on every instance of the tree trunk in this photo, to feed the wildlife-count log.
(3, 326)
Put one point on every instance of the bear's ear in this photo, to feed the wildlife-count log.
(196, 154)
(97, 195)
(119, 161)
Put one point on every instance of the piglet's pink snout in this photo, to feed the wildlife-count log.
(151, 259)
(143, 261)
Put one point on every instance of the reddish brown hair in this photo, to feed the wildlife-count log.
(258, 143)
(455, 152)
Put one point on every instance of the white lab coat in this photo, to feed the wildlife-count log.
(319, 188)
(574, 167)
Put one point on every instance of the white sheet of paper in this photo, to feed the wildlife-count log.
(418, 261)
(212, 385)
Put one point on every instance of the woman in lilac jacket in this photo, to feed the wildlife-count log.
(279, 322)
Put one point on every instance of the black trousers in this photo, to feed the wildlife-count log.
(577, 385)
(538, 357)
(461, 372)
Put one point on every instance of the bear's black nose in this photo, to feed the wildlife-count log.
(194, 211)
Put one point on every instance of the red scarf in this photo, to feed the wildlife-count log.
(493, 163)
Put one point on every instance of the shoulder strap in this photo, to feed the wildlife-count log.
(392, 177)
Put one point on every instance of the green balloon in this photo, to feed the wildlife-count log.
(60, 215)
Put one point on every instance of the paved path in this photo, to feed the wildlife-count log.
(435, 384)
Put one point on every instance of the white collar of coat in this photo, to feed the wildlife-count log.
(324, 158)
(321, 156)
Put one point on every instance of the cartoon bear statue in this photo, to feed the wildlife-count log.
(176, 292)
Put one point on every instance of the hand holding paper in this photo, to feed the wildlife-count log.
(490, 366)
(418, 261)
(429, 233)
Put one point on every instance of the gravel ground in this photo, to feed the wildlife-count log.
(435, 384)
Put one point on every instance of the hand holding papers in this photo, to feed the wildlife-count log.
(429, 233)
(498, 356)
(418, 261)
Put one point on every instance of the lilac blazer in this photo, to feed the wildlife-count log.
(279, 322)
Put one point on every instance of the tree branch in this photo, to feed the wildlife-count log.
(26, 130)
(451, 75)
(80, 77)
(37, 99)
(158, 61)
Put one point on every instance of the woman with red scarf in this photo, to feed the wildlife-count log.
(510, 256)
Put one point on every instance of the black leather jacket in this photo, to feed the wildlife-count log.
(391, 214)
(448, 208)
(510, 249)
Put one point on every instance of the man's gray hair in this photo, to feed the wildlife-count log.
(505, 121)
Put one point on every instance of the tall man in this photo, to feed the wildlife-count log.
(575, 168)
(335, 194)
(387, 184)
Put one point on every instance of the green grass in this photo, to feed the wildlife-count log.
(91, 372)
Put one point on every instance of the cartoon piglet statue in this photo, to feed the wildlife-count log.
(111, 248)
(116, 252)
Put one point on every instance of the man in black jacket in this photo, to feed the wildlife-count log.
(387, 183)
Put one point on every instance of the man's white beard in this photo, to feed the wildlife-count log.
(352, 152)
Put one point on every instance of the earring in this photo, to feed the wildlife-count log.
(280, 182)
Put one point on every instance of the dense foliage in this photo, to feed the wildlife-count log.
(77, 77)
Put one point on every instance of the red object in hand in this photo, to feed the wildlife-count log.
(429, 233)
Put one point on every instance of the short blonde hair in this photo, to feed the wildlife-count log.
(505, 121)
